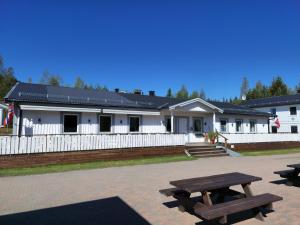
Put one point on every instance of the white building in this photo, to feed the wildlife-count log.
(286, 109)
(43, 109)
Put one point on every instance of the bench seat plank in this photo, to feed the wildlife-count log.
(286, 173)
(171, 191)
(227, 208)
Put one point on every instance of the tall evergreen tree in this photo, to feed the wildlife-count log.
(182, 93)
(79, 83)
(169, 93)
(7, 79)
(202, 94)
(51, 79)
(278, 87)
(194, 94)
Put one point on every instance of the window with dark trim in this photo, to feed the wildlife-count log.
(223, 124)
(274, 129)
(134, 123)
(70, 123)
(293, 110)
(252, 126)
(105, 123)
(168, 124)
(197, 125)
(294, 129)
(239, 126)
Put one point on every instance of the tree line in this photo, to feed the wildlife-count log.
(277, 87)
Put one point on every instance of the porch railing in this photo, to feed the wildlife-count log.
(10, 145)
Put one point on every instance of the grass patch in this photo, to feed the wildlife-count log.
(271, 152)
(91, 165)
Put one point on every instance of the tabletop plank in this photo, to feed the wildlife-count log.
(214, 182)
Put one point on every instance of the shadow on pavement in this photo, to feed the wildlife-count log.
(108, 211)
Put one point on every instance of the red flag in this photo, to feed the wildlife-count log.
(9, 115)
(277, 123)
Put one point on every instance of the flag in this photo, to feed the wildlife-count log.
(9, 115)
(277, 123)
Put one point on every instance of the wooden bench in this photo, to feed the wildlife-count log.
(172, 192)
(221, 211)
(286, 173)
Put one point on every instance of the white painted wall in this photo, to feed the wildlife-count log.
(286, 120)
(261, 123)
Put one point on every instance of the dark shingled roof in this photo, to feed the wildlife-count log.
(46, 94)
(273, 101)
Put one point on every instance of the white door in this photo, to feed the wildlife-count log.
(182, 125)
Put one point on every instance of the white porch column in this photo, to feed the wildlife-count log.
(214, 122)
(172, 122)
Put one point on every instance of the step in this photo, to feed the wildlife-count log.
(206, 152)
(210, 155)
(199, 144)
(203, 149)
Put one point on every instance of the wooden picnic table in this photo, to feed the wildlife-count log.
(292, 174)
(213, 191)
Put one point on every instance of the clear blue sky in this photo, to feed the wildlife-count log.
(153, 44)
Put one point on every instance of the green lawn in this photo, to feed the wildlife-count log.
(91, 165)
(271, 152)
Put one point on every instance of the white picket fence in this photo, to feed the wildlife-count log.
(10, 145)
(260, 137)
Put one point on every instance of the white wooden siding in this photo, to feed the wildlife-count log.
(260, 137)
(63, 143)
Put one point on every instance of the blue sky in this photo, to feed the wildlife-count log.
(209, 44)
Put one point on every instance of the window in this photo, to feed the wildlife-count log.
(223, 123)
(70, 123)
(238, 126)
(273, 111)
(105, 123)
(294, 129)
(274, 129)
(293, 110)
(252, 126)
(197, 125)
(134, 123)
(168, 124)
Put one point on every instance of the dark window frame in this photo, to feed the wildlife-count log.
(295, 131)
(293, 111)
(111, 124)
(201, 125)
(130, 126)
(226, 126)
(168, 124)
(273, 111)
(274, 129)
(67, 130)
(255, 126)
(242, 128)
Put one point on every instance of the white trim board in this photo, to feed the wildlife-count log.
(131, 112)
(196, 100)
(58, 108)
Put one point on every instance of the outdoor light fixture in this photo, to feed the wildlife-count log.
(39, 120)
(121, 121)
(89, 120)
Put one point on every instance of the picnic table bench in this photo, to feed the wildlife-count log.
(291, 174)
(213, 191)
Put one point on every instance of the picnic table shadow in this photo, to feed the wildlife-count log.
(108, 211)
(232, 219)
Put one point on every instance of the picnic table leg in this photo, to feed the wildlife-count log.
(207, 201)
(291, 179)
(249, 193)
(184, 199)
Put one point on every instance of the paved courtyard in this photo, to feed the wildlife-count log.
(129, 195)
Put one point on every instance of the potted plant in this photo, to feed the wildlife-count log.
(212, 137)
